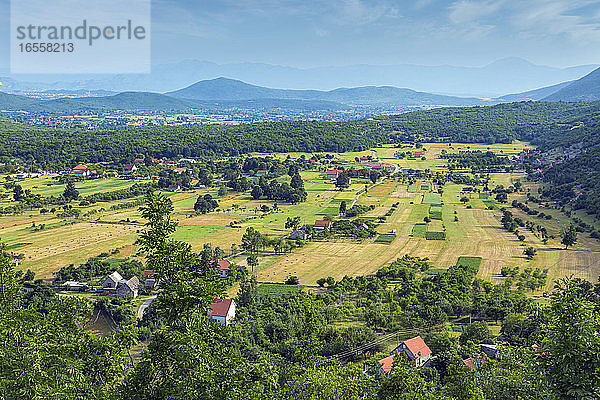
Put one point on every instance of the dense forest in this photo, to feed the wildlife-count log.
(540, 123)
(292, 346)
(50, 147)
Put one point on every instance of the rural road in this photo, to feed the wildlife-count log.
(145, 304)
(396, 170)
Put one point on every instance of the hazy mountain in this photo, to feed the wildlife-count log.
(584, 89)
(535, 95)
(512, 75)
(14, 102)
(230, 89)
(128, 101)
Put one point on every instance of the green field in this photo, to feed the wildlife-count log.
(472, 263)
(489, 204)
(432, 235)
(475, 231)
(419, 230)
(435, 212)
(386, 238)
(278, 289)
(468, 261)
(432, 198)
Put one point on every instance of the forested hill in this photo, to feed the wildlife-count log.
(533, 121)
(584, 89)
(53, 147)
(545, 124)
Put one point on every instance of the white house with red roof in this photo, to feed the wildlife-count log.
(261, 172)
(222, 311)
(130, 168)
(321, 225)
(414, 349)
(223, 267)
(333, 174)
(80, 170)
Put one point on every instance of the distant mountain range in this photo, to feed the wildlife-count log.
(222, 93)
(511, 75)
(234, 90)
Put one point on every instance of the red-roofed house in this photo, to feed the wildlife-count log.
(415, 349)
(221, 311)
(81, 170)
(320, 225)
(333, 174)
(223, 268)
(386, 363)
(261, 172)
(474, 363)
(138, 161)
(129, 168)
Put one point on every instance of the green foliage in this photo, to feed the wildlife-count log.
(477, 332)
(70, 193)
(569, 237)
(569, 353)
(205, 204)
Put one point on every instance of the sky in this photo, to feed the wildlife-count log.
(312, 33)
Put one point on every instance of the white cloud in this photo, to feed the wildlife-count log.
(468, 11)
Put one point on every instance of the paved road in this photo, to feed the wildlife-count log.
(145, 304)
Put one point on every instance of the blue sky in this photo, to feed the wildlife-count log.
(309, 33)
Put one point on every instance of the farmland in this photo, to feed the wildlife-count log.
(400, 203)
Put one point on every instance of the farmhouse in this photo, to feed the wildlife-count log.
(474, 363)
(112, 281)
(81, 171)
(128, 288)
(298, 234)
(333, 174)
(414, 349)
(173, 188)
(221, 311)
(320, 225)
(222, 267)
(130, 168)
(261, 172)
